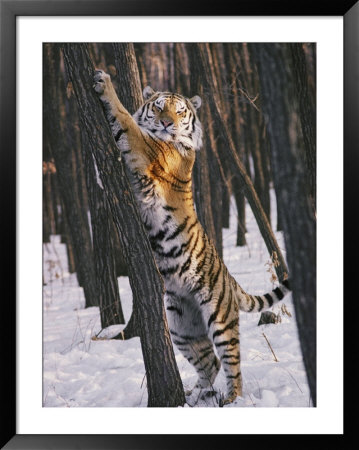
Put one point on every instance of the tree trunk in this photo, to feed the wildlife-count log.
(55, 135)
(103, 56)
(290, 181)
(307, 114)
(163, 380)
(129, 89)
(47, 210)
(203, 178)
(127, 71)
(201, 68)
(241, 212)
(255, 133)
(238, 133)
(103, 247)
(103, 233)
(226, 203)
(70, 248)
(56, 201)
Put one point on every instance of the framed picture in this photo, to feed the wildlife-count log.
(38, 415)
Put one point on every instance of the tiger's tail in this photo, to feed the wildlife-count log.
(257, 303)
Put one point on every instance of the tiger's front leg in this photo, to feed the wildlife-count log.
(114, 108)
(117, 115)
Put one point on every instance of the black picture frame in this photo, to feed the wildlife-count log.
(10, 9)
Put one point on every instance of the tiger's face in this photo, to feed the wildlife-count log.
(171, 118)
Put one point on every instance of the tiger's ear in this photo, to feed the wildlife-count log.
(196, 101)
(147, 92)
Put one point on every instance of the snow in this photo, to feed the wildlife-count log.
(83, 369)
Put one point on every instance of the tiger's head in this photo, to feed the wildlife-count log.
(171, 118)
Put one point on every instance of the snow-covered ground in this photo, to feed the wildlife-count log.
(79, 370)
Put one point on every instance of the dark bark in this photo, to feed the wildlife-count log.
(241, 212)
(254, 122)
(93, 198)
(127, 71)
(205, 181)
(129, 89)
(216, 178)
(80, 175)
(56, 202)
(72, 137)
(163, 380)
(120, 262)
(201, 69)
(216, 206)
(306, 102)
(56, 136)
(140, 58)
(157, 65)
(45, 221)
(48, 222)
(70, 249)
(290, 181)
(226, 203)
(238, 133)
(182, 73)
(103, 246)
(104, 58)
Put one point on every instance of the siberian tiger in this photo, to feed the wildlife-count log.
(202, 299)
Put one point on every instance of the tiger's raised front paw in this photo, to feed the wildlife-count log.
(101, 81)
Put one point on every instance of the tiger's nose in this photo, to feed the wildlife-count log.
(166, 123)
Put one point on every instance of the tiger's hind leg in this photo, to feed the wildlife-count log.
(189, 334)
(200, 353)
(226, 340)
